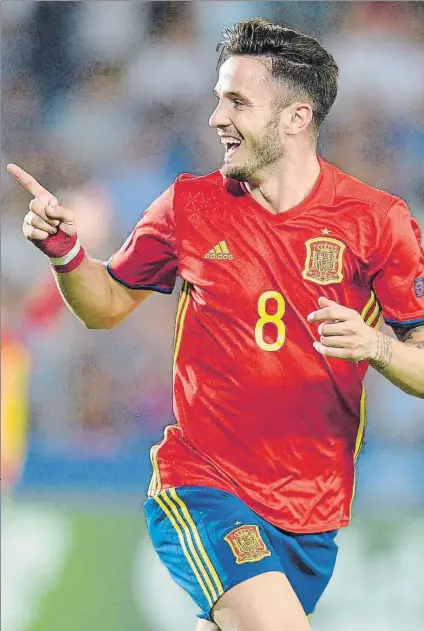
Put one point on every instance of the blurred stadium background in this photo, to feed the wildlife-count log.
(105, 103)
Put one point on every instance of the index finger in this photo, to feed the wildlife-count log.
(30, 183)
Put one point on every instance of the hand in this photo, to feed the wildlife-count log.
(46, 216)
(343, 332)
(49, 226)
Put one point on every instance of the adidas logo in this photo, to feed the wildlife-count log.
(220, 252)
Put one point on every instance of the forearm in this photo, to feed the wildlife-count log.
(85, 284)
(88, 292)
(401, 363)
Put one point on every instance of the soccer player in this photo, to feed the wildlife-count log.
(288, 267)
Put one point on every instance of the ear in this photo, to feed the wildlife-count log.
(300, 119)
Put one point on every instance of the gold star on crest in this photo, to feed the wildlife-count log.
(325, 231)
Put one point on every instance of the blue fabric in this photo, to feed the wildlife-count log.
(158, 288)
(188, 526)
(408, 323)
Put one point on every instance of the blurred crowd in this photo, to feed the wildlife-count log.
(105, 103)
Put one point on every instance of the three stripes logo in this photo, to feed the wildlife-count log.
(220, 252)
(191, 544)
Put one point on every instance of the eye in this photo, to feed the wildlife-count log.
(238, 104)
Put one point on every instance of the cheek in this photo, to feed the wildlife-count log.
(246, 124)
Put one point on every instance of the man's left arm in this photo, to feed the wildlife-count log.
(344, 335)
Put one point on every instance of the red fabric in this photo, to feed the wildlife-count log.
(56, 245)
(397, 263)
(69, 267)
(155, 235)
(277, 428)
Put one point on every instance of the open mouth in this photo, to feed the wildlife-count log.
(231, 145)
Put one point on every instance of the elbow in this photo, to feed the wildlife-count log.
(97, 326)
(96, 321)
(413, 392)
(100, 324)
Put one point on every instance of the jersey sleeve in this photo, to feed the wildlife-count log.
(148, 258)
(397, 268)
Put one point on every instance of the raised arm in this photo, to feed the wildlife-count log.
(88, 289)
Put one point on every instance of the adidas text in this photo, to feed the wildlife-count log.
(213, 255)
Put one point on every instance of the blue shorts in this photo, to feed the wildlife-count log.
(209, 540)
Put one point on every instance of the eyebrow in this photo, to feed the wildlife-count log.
(232, 95)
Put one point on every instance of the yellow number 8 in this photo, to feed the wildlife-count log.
(274, 318)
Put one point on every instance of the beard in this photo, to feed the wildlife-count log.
(265, 151)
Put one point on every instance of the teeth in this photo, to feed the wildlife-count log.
(225, 140)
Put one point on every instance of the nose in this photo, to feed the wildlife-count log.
(219, 117)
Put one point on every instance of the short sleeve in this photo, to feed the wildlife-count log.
(397, 268)
(148, 258)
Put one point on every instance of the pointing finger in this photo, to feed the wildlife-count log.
(30, 183)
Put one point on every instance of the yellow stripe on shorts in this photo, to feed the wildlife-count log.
(194, 530)
(184, 547)
(192, 549)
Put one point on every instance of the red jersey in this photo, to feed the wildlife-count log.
(259, 412)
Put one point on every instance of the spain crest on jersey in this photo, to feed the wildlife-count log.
(324, 260)
(247, 544)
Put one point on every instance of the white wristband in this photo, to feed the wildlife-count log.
(64, 260)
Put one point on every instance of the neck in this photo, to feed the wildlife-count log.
(289, 184)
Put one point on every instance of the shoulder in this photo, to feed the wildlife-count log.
(188, 182)
(210, 193)
(214, 182)
(350, 189)
(192, 189)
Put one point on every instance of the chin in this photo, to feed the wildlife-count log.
(238, 172)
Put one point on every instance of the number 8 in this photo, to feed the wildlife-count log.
(275, 318)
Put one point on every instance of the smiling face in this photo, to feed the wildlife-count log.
(247, 119)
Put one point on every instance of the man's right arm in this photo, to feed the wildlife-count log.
(98, 300)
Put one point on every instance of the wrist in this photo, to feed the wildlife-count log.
(69, 261)
(63, 250)
(374, 347)
(383, 351)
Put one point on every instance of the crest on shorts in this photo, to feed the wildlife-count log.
(324, 260)
(247, 544)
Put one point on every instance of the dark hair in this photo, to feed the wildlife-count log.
(298, 60)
